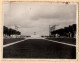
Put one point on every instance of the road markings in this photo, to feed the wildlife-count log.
(61, 42)
(43, 39)
(19, 41)
(13, 43)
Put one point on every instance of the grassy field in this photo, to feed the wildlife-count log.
(11, 40)
(66, 40)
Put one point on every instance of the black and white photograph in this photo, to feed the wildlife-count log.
(40, 30)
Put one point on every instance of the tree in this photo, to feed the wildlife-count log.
(69, 31)
(5, 30)
(9, 31)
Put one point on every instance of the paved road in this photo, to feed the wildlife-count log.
(39, 49)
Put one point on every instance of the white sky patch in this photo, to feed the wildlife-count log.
(36, 17)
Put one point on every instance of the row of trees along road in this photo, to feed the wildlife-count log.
(69, 31)
(9, 31)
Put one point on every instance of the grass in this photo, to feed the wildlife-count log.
(11, 40)
(65, 40)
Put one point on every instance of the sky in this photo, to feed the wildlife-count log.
(36, 17)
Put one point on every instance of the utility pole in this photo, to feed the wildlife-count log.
(16, 28)
(49, 30)
(34, 33)
(52, 28)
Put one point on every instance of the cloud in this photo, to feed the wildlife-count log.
(55, 12)
(38, 16)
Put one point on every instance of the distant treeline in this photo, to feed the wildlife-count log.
(9, 31)
(69, 31)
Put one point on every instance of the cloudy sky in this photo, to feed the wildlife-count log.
(36, 17)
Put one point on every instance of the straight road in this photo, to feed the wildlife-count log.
(39, 49)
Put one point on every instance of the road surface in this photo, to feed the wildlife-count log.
(39, 49)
